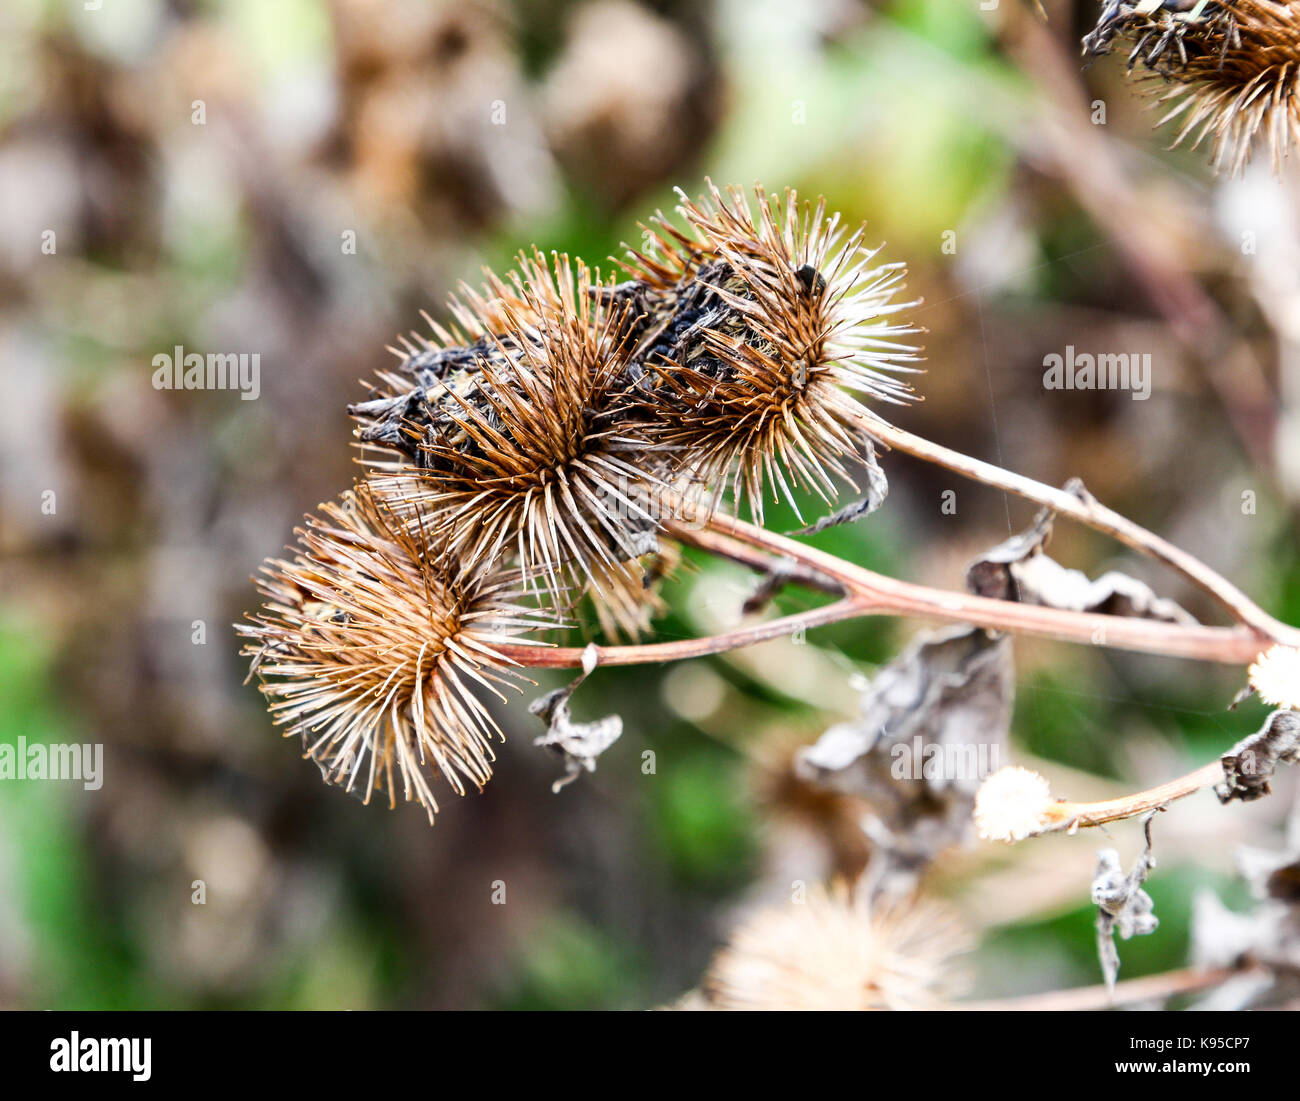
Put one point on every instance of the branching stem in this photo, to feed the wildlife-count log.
(1086, 510)
(869, 593)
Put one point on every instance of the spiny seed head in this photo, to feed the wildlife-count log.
(754, 324)
(1234, 66)
(835, 951)
(405, 399)
(529, 453)
(370, 649)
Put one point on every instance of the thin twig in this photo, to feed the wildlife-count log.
(1085, 509)
(1067, 815)
(1148, 988)
(570, 657)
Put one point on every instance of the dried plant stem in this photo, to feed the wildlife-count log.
(889, 596)
(869, 593)
(1148, 988)
(759, 555)
(1085, 509)
(1071, 816)
(570, 657)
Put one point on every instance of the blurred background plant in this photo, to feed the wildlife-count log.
(205, 168)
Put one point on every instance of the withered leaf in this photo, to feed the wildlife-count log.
(580, 744)
(933, 722)
(1249, 765)
(1019, 569)
(1267, 936)
(1274, 875)
(876, 492)
(1123, 907)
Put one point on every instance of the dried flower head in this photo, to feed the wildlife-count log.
(1234, 66)
(1275, 676)
(526, 451)
(836, 951)
(370, 649)
(409, 397)
(1012, 804)
(752, 329)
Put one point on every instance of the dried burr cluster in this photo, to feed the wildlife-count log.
(1230, 69)
(534, 450)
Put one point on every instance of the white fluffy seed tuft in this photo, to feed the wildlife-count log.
(1275, 676)
(1012, 804)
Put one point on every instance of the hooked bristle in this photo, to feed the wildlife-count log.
(530, 453)
(769, 320)
(1234, 66)
(539, 435)
(369, 648)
